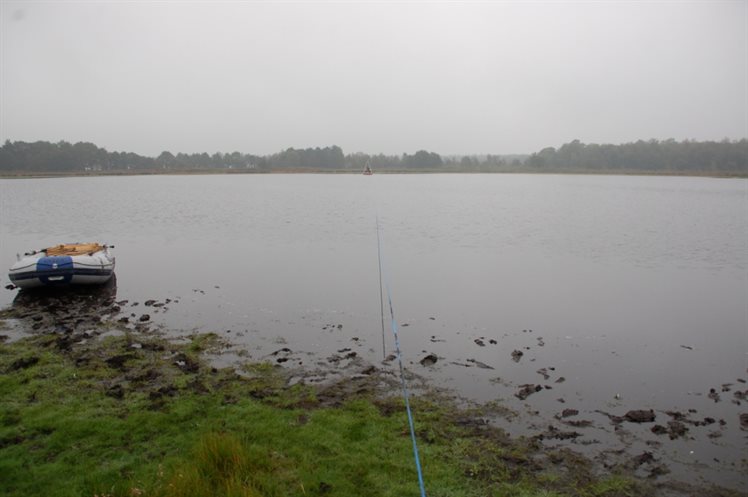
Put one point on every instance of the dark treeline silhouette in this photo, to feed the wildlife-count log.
(64, 157)
(309, 158)
(653, 156)
(669, 156)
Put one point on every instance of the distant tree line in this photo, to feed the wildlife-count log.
(63, 157)
(726, 157)
(308, 158)
(42, 156)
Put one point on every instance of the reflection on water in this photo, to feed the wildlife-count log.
(626, 292)
(70, 298)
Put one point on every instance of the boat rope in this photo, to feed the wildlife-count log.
(406, 396)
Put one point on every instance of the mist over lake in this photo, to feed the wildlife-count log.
(632, 289)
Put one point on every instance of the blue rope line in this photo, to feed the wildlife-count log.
(400, 362)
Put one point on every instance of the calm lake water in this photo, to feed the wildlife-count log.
(633, 289)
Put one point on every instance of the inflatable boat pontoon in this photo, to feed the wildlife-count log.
(68, 264)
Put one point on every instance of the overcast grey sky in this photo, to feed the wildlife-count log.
(392, 77)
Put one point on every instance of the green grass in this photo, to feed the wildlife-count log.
(123, 417)
(60, 434)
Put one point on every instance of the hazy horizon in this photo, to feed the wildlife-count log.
(388, 77)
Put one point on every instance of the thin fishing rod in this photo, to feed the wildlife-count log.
(393, 324)
(381, 294)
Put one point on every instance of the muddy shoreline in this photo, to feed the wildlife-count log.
(146, 361)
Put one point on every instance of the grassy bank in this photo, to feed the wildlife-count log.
(115, 412)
